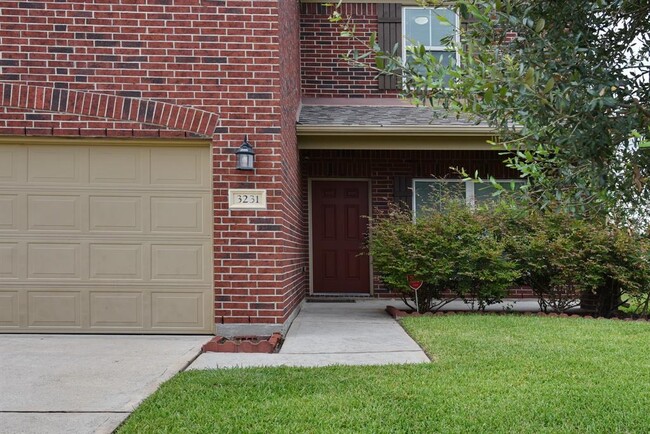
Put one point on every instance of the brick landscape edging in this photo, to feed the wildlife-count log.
(243, 344)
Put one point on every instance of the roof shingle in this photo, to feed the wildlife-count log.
(377, 116)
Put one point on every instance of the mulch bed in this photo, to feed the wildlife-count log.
(244, 344)
(400, 313)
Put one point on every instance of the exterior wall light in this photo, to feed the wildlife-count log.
(245, 156)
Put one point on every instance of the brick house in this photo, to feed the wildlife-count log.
(121, 205)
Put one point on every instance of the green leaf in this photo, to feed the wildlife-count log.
(539, 25)
(443, 20)
(489, 95)
(549, 85)
(529, 78)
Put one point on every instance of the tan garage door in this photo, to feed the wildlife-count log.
(105, 239)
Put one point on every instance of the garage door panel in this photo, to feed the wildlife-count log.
(177, 262)
(112, 165)
(116, 261)
(102, 239)
(10, 212)
(53, 260)
(178, 214)
(55, 212)
(177, 167)
(57, 164)
(13, 164)
(9, 261)
(9, 309)
(56, 308)
(116, 309)
(116, 213)
(178, 310)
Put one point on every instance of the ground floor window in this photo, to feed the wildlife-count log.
(429, 194)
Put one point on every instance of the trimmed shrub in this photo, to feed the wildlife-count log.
(477, 254)
(621, 260)
(400, 248)
(450, 250)
(553, 260)
(566, 260)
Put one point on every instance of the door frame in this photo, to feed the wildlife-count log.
(310, 229)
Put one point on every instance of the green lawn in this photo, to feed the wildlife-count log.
(491, 374)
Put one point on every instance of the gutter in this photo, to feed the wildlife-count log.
(394, 130)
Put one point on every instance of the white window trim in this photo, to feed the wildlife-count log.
(439, 48)
(470, 189)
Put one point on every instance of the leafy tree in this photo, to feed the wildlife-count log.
(566, 84)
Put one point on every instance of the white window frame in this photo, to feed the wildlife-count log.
(470, 189)
(429, 48)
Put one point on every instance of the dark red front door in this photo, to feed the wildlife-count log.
(339, 225)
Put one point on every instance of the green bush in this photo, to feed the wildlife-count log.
(450, 250)
(568, 261)
(399, 248)
(622, 261)
(477, 254)
(552, 257)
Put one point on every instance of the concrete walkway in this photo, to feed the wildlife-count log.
(83, 384)
(359, 333)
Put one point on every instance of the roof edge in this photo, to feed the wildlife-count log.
(402, 130)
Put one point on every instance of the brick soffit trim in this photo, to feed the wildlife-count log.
(105, 106)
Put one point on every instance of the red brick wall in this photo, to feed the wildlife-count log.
(295, 259)
(324, 74)
(155, 49)
(231, 61)
(381, 167)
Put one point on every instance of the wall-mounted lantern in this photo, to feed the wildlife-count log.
(245, 156)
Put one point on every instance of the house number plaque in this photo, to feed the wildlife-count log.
(246, 199)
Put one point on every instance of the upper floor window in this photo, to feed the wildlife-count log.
(429, 27)
(400, 27)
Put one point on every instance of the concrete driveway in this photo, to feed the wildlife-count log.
(83, 384)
